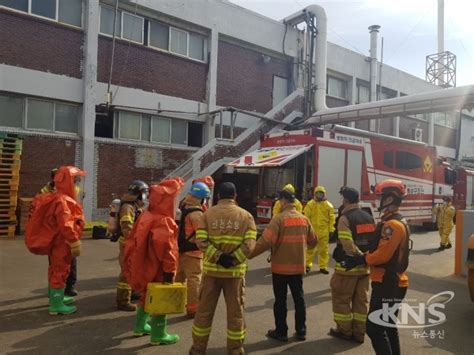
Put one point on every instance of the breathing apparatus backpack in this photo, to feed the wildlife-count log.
(184, 243)
(114, 230)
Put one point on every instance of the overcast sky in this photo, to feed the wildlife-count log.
(409, 28)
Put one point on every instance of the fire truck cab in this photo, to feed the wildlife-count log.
(343, 156)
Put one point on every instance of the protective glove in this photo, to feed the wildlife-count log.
(226, 260)
(168, 277)
(351, 262)
(76, 249)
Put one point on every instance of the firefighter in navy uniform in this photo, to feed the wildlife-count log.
(350, 289)
(131, 206)
(388, 263)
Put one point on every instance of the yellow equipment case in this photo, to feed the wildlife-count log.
(165, 298)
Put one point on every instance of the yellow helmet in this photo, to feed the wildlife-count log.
(320, 189)
(289, 188)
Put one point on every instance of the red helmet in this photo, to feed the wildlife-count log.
(391, 187)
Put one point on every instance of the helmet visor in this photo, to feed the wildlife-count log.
(79, 188)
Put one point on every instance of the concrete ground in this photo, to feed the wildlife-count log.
(97, 327)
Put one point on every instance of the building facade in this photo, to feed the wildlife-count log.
(163, 66)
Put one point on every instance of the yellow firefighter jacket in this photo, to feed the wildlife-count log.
(226, 228)
(321, 216)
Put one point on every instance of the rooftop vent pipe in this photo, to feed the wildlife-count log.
(374, 30)
(320, 56)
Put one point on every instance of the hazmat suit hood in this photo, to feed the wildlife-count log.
(163, 197)
(64, 180)
(152, 247)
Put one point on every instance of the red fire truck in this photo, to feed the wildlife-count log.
(464, 189)
(343, 156)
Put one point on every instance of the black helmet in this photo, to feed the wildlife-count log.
(350, 194)
(138, 187)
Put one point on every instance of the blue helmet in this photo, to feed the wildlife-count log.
(200, 190)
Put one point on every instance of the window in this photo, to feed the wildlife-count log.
(196, 46)
(160, 130)
(68, 11)
(40, 114)
(45, 8)
(363, 94)
(194, 134)
(65, 119)
(11, 109)
(447, 119)
(178, 41)
(21, 5)
(146, 128)
(107, 21)
(388, 159)
(130, 125)
(132, 27)
(337, 87)
(407, 161)
(159, 35)
(179, 132)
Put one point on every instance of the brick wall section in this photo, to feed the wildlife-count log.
(151, 70)
(243, 80)
(236, 151)
(38, 157)
(33, 43)
(226, 131)
(117, 168)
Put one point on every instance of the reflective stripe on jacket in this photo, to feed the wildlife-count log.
(226, 228)
(393, 238)
(289, 234)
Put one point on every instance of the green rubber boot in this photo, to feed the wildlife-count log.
(141, 323)
(56, 303)
(67, 299)
(158, 332)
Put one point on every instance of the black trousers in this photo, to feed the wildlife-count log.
(72, 277)
(385, 340)
(280, 290)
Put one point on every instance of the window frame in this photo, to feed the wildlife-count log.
(77, 114)
(119, 126)
(56, 19)
(23, 113)
(119, 35)
(168, 50)
(346, 89)
(187, 42)
(53, 130)
(186, 122)
(150, 21)
(358, 93)
(151, 129)
(121, 26)
(27, 104)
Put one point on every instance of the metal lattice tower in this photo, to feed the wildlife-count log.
(441, 69)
